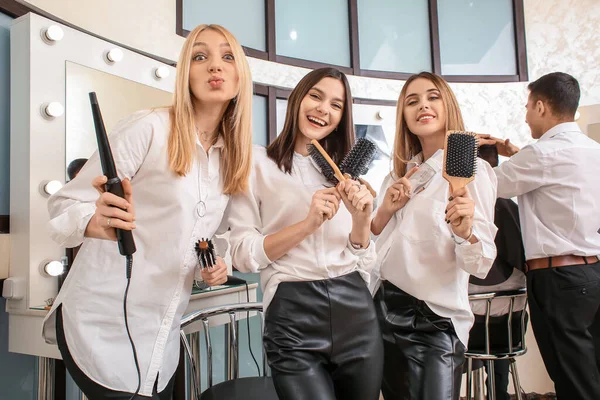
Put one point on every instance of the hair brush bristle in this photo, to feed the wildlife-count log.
(461, 154)
(357, 161)
(322, 163)
(205, 251)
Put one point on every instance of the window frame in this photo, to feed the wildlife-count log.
(354, 47)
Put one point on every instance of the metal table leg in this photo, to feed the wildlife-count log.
(45, 388)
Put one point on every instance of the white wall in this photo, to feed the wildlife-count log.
(588, 116)
(561, 35)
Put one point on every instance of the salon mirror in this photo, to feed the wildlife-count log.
(118, 97)
(51, 125)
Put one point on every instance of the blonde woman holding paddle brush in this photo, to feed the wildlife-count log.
(431, 238)
(309, 239)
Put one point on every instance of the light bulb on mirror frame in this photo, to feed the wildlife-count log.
(52, 34)
(52, 110)
(52, 268)
(162, 72)
(113, 56)
(48, 188)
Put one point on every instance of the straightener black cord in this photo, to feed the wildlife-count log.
(248, 325)
(129, 260)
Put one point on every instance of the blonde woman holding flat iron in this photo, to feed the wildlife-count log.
(179, 166)
(430, 241)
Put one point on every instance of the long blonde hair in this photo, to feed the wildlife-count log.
(406, 143)
(236, 124)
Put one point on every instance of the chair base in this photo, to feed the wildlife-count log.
(243, 388)
(475, 380)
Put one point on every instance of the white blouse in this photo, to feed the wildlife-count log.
(167, 226)
(556, 181)
(277, 200)
(417, 251)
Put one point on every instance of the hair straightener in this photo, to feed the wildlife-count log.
(124, 238)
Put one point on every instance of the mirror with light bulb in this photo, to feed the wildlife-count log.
(52, 134)
(117, 97)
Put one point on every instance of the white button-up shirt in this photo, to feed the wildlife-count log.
(167, 226)
(557, 183)
(417, 252)
(277, 200)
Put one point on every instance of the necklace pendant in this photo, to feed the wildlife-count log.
(201, 209)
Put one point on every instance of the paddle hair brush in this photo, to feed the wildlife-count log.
(460, 159)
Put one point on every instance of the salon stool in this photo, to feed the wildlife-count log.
(505, 341)
(259, 387)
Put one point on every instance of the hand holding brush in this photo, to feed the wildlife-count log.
(355, 163)
(212, 268)
(459, 168)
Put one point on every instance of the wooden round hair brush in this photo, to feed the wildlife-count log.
(460, 158)
(355, 163)
(205, 251)
(327, 166)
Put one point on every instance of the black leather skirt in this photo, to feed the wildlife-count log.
(323, 341)
(423, 357)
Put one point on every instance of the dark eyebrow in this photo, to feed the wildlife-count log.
(204, 44)
(322, 93)
(428, 91)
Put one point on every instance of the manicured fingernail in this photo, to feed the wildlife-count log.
(445, 211)
(450, 198)
(447, 221)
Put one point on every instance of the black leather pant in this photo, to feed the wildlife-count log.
(323, 341)
(423, 357)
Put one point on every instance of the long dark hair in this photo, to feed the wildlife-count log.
(337, 143)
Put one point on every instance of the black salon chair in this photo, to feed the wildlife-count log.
(259, 387)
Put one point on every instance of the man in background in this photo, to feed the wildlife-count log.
(557, 184)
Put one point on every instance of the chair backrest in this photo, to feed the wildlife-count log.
(233, 351)
(511, 296)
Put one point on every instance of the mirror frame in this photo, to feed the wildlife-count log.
(38, 76)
